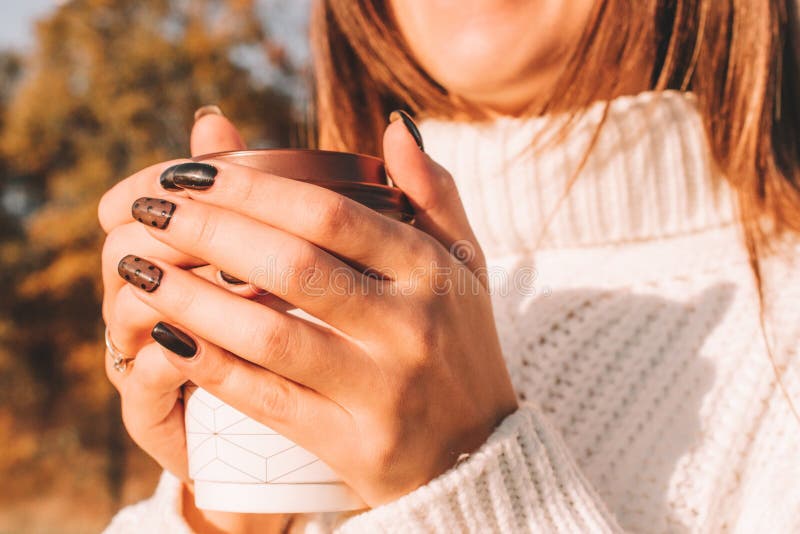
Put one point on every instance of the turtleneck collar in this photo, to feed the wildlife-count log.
(650, 175)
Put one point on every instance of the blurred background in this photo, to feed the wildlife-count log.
(91, 91)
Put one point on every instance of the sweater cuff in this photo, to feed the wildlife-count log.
(523, 478)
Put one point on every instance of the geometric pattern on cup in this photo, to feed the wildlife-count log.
(224, 445)
(298, 465)
(220, 471)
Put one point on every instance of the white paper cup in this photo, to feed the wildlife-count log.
(239, 465)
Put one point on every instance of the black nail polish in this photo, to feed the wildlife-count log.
(140, 273)
(153, 211)
(167, 179)
(191, 175)
(410, 125)
(173, 339)
(231, 279)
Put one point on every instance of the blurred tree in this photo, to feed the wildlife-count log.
(110, 88)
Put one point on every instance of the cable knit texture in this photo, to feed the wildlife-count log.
(631, 331)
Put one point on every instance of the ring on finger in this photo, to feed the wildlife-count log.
(120, 360)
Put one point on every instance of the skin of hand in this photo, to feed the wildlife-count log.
(411, 374)
(150, 391)
(151, 388)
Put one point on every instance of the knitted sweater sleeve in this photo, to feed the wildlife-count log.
(523, 479)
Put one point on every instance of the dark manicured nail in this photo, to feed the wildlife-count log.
(167, 179)
(410, 125)
(140, 272)
(207, 110)
(153, 211)
(231, 279)
(171, 338)
(192, 175)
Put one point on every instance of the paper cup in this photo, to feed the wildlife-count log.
(239, 465)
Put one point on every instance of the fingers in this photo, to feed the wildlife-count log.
(432, 192)
(131, 321)
(213, 132)
(128, 319)
(114, 208)
(287, 407)
(151, 409)
(310, 355)
(135, 239)
(131, 237)
(318, 215)
(277, 262)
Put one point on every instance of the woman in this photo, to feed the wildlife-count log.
(640, 158)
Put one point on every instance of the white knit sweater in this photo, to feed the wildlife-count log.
(631, 331)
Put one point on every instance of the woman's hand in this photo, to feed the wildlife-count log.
(152, 406)
(151, 389)
(410, 376)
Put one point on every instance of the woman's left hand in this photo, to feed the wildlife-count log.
(411, 374)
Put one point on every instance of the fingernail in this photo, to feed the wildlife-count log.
(230, 279)
(167, 179)
(191, 175)
(140, 273)
(173, 339)
(153, 211)
(207, 110)
(410, 125)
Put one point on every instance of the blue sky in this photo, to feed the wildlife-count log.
(16, 23)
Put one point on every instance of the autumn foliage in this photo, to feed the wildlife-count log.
(109, 88)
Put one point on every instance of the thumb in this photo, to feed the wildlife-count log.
(430, 189)
(213, 132)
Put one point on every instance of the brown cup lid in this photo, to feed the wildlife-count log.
(356, 176)
(309, 165)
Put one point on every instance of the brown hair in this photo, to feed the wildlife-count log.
(738, 57)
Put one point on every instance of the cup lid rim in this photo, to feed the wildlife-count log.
(252, 151)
